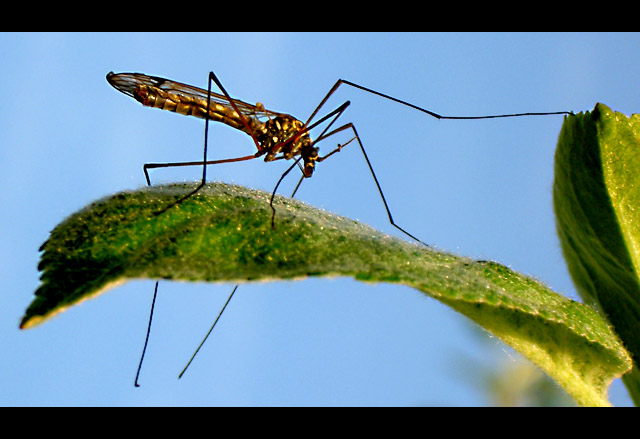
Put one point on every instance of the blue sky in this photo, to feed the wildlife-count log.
(477, 188)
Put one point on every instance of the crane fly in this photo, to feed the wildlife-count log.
(276, 136)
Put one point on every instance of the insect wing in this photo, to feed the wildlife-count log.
(128, 83)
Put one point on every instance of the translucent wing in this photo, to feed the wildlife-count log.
(128, 83)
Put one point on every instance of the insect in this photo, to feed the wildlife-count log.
(276, 136)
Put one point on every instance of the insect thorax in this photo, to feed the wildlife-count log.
(281, 135)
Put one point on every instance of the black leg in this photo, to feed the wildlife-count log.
(146, 340)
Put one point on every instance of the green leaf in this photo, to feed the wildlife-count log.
(224, 234)
(597, 204)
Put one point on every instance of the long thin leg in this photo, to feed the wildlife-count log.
(273, 194)
(207, 336)
(430, 113)
(202, 183)
(373, 174)
(236, 287)
(146, 340)
(197, 163)
(295, 190)
(243, 119)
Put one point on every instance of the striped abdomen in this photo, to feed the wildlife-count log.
(192, 106)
